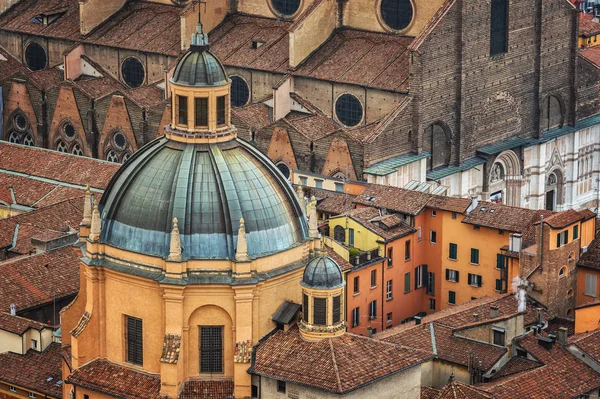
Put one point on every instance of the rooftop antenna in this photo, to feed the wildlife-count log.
(200, 2)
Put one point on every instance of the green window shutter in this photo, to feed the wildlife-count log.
(500, 261)
(566, 233)
(575, 232)
(453, 251)
(474, 256)
(558, 240)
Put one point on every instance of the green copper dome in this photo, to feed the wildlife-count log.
(199, 68)
(208, 188)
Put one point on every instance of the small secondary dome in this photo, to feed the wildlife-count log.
(322, 273)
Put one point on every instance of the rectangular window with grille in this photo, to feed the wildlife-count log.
(201, 112)
(134, 333)
(320, 311)
(356, 317)
(337, 309)
(499, 27)
(388, 290)
(211, 349)
(221, 108)
(182, 110)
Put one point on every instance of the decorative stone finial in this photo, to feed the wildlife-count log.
(87, 207)
(95, 229)
(300, 194)
(199, 38)
(175, 248)
(241, 253)
(323, 247)
(313, 223)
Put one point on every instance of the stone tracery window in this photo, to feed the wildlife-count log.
(20, 122)
(69, 131)
(19, 130)
(349, 110)
(61, 146)
(14, 138)
(77, 150)
(133, 72)
(111, 156)
(28, 140)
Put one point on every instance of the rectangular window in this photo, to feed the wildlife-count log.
(182, 110)
(320, 311)
(419, 234)
(134, 334)
(211, 349)
(355, 317)
(356, 285)
(86, 396)
(254, 391)
(431, 304)
(337, 309)
(562, 238)
(318, 183)
(388, 318)
(373, 309)
(454, 215)
(499, 27)
(221, 110)
(475, 280)
(499, 285)
(351, 237)
(474, 256)
(373, 278)
(452, 297)
(339, 187)
(420, 276)
(305, 305)
(433, 236)
(433, 213)
(303, 180)
(201, 112)
(407, 282)
(575, 232)
(453, 251)
(430, 283)
(500, 261)
(499, 336)
(388, 290)
(34, 343)
(390, 253)
(281, 386)
(591, 284)
(452, 275)
(407, 250)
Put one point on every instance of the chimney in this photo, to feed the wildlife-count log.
(494, 311)
(370, 332)
(475, 317)
(562, 336)
(515, 242)
(473, 205)
(538, 317)
(13, 309)
(545, 342)
(417, 320)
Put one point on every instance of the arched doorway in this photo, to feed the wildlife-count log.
(553, 197)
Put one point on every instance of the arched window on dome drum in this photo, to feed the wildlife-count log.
(337, 311)
(320, 311)
(339, 234)
(182, 111)
(221, 110)
(201, 112)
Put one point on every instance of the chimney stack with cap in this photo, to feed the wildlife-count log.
(494, 311)
(562, 336)
(475, 317)
(417, 320)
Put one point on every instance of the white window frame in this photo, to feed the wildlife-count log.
(419, 235)
(591, 284)
(452, 274)
(388, 290)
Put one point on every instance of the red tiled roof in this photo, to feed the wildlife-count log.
(590, 344)
(112, 379)
(368, 216)
(18, 325)
(371, 59)
(36, 280)
(200, 389)
(27, 191)
(502, 217)
(516, 365)
(34, 371)
(561, 377)
(429, 393)
(591, 259)
(563, 219)
(255, 115)
(458, 390)
(338, 365)
(591, 54)
(342, 263)
(587, 27)
(450, 204)
(394, 198)
(231, 41)
(146, 96)
(97, 87)
(334, 205)
(57, 166)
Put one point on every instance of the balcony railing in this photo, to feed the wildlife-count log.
(364, 257)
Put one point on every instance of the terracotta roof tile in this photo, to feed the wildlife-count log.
(370, 218)
(112, 379)
(563, 219)
(591, 259)
(57, 166)
(450, 204)
(342, 263)
(35, 371)
(334, 205)
(590, 344)
(587, 27)
(591, 54)
(336, 365)
(199, 389)
(429, 393)
(36, 280)
(146, 96)
(394, 198)
(458, 390)
(502, 217)
(516, 365)
(18, 325)
(256, 115)
(27, 191)
(19, 18)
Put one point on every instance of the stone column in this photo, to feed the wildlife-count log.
(244, 296)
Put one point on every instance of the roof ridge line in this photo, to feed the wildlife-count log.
(335, 367)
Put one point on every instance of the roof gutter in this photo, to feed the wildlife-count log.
(433, 342)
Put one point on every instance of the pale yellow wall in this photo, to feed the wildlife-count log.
(328, 183)
(10, 342)
(263, 7)
(191, 93)
(405, 385)
(441, 372)
(364, 238)
(312, 31)
(587, 319)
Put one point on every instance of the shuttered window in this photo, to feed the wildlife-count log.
(500, 261)
(320, 311)
(499, 27)
(373, 309)
(591, 284)
(221, 110)
(407, 282)
(135, 353)
(182, 110)
(451, 297)
(337, 311)
(211, 349)
(475, 256)
(475, 280)
(453, 251)
(575, 232)
(201, 112)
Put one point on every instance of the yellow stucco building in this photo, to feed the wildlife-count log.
(195, 245)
